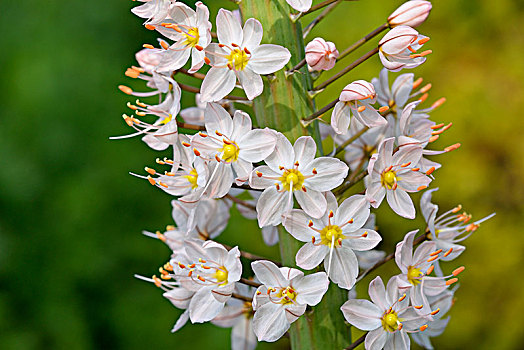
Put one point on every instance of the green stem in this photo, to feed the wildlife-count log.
(284, 102)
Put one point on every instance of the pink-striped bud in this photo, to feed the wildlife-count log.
(411, 13)
(359, 90)
(148, 59)
(321, 55)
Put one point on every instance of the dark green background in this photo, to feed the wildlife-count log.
(71, 217)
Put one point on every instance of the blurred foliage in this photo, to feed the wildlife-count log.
(71, 216)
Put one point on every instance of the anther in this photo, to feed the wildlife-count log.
(149, 27)
(192, 266)
(430, 270)
(433, 138)
(423, 41)
(388, 168)
(201, 278)
(405, 164)
(448, 252)
(151, 180)
(140, 113)
(247, 51)
(437, 126)
(296, 163)
(415, 169)
(133, 107)
(457, 209)
(452, 147)
(426, 88)
(417, 83)
(423, 98)
(234, 45)
(199, 48)
(433, 258)
(383, 109)
(190, 273)
(259, 174)
(438, 102)
(197, 153)
(207, 60)
(350, 221)
(277, 186)
(451, 281)
(365, 234)
(422, 188)
(304, 188)
(201, 260)
(185, 144)
(437, 252)
(160, 236)
(217, 158)
(402, 298)
(157, 280)
(202, 134)
(434, 312)
(164, 45)
(310, 224)
(125, 89)
(418, 307)
(313, 239)
(219, 133)
(361, 109)
(314, 171)
(138, 103)
(150, 171)
(148, 46)
(400, 325)
(331, 213)
(162, 184)
(458, 270)
(423, 328)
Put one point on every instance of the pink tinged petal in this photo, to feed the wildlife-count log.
(182, 320)
(241, 169)
(174, 58)
(204, 307)
(422, 254)
(293, 312)
(222, 294)
(397, 40)
(362, 314)
(376, 339)
(256, 145)
(168, 133)
(391, 66)
(331, 172)
(218, 119)
(433, 286)
(404, 251)
(300, 5)
(241, 125)
(401, 203)
(206, 145)
(221, 182)
(310, 255)
(182, 14)
(270, 322)
(412, 320)
(358, 90)
(261, 182)
(296, 224)
(268, 58)
(395, 289)
(385, 151)
(242, 335)
(411, 13)
(369, 116)
(428, 209)
(252, 34)
(370, 241)
(283, 155)
(311, 288)
(270, 207)
(217, 55)
(251, 82)
(340, 117)
(375, 194)
(229, 30)
(418, 298)
(344, 267)
(312, 202)
(377, 293)
(197, 60)
(155, 143)
(332, 204)
(179, 297)
(217, 84)
(352, 213)
(408, 154)
(401, 88)
(290, 273)
(305, 150)
(457, 249)
(229, 315)
(269, 274)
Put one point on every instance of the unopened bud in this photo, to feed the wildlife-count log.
(321, 54)
(411, 13)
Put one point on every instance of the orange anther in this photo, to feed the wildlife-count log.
(217, 158)
(405, 164)
(331, 213)
(430, 270)
(313, 239)
(310, 224)
(277, 186)
(423, 98)
(234, 45)
(437, 252)
(383, 109)
(205, 267)
(219, 133)
(132, 73)
(150, 27)
(182, 266)
(164, 45)
(423, 41)
(201, 134)
(157, 280)
(402, 298)
(133, 107)
(433, 258)
(207, 60)
(438, 102)
(151, 180)
(304, 188)
(196, 152)
(361, 109)
(418, 307)
(163, 184)
(434, 312)
(125, 89)
(448, 252)
(192, 266)
(150, 171)
(143, 105)
(201, 278)
(423, 328)
(296, 163)
(388, 168)
(199, 48)
(400, 325)
(436, 126)
(451, 281)
(426, 88)
(458, 270)
(168, 161)
(417, 83)
(247, 51)
(315, 171)
(185, 144)
(365, 234)
(350, 221)
(221, 45)
(168, 267)
(190, 273)
(433, 138)
(422, 188)
(412, 49)
(160, 236)
(452, 147)
(148, 46)
(259, 174)
(415, 169)
(457, 208)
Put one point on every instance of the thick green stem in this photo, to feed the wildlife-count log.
(284, 102)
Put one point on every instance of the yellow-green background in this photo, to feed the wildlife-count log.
(70, 216)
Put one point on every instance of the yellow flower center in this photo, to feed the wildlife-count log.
(192, 37)
(329, 232)
(413, 275)
(390, 321)
(237, 59)
(221, 275)
(230, 152)
(292, 175)
(288, 295)
(167, 119)
(389, 179)
(192, 178)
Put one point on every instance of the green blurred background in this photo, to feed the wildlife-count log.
(71, 216)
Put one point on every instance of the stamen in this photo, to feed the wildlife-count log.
(448, 252)
(430, 270)
(437, 252)
(417, 83)
(433, 313)
(438, 103)
(451, 281)
(452, 147)
(423, 98)
(125, 89)
(151, 180)
(422, 188)
(361, 109)
(426, 88)
(383, 109)
(458, 270)
(423, 328)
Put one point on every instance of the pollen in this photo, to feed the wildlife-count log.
(292, 176)
(237, 59)
(192, 178)
(414, 275)
(389, 179)
(192, 37)
(230, 152)
(390, 321)
(331, 233)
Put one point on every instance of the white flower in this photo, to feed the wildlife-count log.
(210, 271)
(321, 55)
(398, 48)
(387, 318)
(411, 13)
(333, 237)
(356, 98)
(192, 32)
(240, 55)
(283, 297)
(233, 144)
(300, 5)
(394, 175)
(293, 170)
(155, 11)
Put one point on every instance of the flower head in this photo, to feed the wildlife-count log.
(398, 48)
(321, 55)
(411, 13)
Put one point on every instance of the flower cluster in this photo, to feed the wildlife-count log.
(292, 185)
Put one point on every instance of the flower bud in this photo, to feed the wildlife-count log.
(398, 48)
(411, 13)
(321, 55)
(148, 59)
(358, 90)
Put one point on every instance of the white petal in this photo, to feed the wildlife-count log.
(270, 207)
(340, 117)
(269, 274)
(377, 293)
(401, 88)
(376, 339)
(242, 335)
(300, 5)
(296, 224)
(268, 58)
(330, 173)
(242, 169)
(354, 209)
(305, 150)
(252, 34)
(256, 145)
(218, 119)
(369, 117)
(397, 341)
(363, 243)
(312, 202)
(404, 251)
(241, 125)
(262, 182)
(270, 235)
(311, 288)
(310, 255)
(182, 320)
(344, 267)
(362, 314)
(270, 322)
(229, 30)
(204, 307)
(283, 155)
(401, 203)
(217, 84)
(251, 82)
